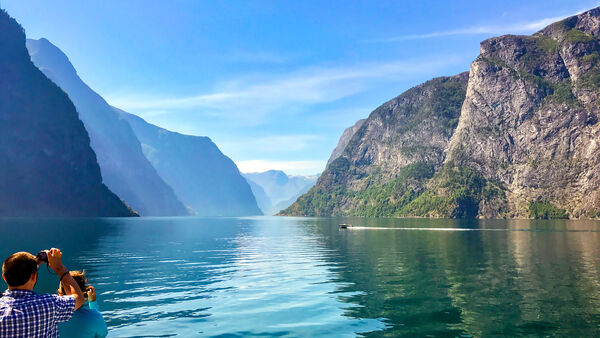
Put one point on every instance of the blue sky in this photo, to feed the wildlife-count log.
(272, 83)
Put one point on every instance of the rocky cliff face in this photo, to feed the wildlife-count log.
(125, 169)
(412, 129)
(530, 119)
(526, 144)
(344, 140)
(47, 165)
(201, 175)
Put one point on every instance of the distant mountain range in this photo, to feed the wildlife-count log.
(275, 190)
(155, 170)
(47, 167)
(55, 165)
(516, 137)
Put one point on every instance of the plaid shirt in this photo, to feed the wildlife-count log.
(24, 313)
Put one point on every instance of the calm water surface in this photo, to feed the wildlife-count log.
(269, 276)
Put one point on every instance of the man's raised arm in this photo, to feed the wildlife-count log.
(68, 282)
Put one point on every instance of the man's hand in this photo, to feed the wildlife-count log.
(91, 291)
(55, 261)
(69, 284)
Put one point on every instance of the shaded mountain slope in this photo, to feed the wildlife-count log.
(47, 165)
(263, 201)
(204, 179)
(125, 169)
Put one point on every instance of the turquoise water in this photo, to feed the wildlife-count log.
(270, 276)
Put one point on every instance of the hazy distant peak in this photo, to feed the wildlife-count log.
(280, 188)
(277, 176)
(159, 130)
(206, 180)
(53, 57)
(315, 176)
(275, 173)
(345, 139)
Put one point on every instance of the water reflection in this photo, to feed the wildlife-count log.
(270, 276)
(522, 278)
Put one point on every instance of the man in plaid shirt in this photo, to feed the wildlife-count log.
(24, 313)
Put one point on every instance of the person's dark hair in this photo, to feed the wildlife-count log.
(18, 268)
(80, 278)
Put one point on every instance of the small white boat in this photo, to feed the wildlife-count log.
(344, 226)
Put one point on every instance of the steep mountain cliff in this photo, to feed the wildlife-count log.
(47, 167)
(530, 121)
(206, 180)
(387, 161)
(526, 144)
(125, 169)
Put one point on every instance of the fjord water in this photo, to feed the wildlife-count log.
(275, 276)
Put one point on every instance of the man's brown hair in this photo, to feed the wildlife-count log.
(18, 268)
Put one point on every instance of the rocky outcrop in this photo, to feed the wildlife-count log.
(47, 167)
(344, 140)
(530, 119)
(526, 144)
(125, 169)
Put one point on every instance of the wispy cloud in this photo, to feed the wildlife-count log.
(290, 167)
(526, 27)
(251, 102)
(286, 143)
(273, 144)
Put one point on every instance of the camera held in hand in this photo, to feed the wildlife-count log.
(42, 256)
